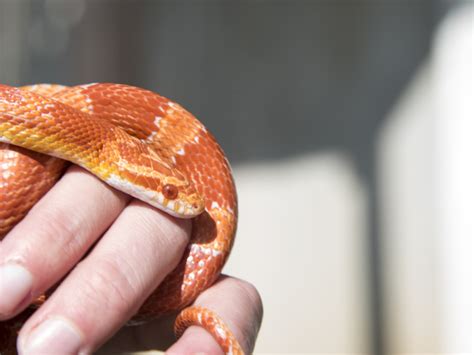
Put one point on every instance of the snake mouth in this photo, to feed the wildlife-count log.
(179, 207)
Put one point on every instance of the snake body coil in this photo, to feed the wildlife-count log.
(140, 143)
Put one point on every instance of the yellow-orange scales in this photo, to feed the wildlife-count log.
(140, 143)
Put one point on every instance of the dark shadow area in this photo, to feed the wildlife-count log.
(270, 79)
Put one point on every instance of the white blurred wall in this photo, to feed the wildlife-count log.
(405, 161)
(453, 74)
(426, 187)
(301, 241)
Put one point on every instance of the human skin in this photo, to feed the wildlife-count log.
(82, 216)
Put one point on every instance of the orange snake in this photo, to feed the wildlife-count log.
(142, 144)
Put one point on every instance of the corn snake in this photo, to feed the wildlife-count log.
(142, 144)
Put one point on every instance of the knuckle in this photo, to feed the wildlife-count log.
(56, 230)
(253, 297)
(162, 232)
(253, 315)
(171, 231)
(110, 283)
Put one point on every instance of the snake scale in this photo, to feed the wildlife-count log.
(139, 143)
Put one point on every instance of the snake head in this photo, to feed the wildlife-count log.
(177, 198)
(131, 166)
(180, 201)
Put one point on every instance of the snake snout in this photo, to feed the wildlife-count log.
(183, 205)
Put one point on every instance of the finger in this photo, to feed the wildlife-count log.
(238, 304)
(53, 237)
(156, 334)
(110, 284)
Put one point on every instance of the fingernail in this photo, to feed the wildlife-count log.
(15, 285)
(54, 336)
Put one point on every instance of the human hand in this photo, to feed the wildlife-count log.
(236, 301)
(136, 246)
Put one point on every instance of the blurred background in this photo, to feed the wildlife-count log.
(346, 123)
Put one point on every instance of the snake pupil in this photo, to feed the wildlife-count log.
(170, 191)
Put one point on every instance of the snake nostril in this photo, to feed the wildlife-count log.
(170, 191)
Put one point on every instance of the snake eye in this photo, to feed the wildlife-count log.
(170, 191)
